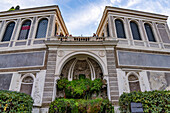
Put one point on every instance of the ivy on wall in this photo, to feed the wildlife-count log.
(152, 101)
(82, 88)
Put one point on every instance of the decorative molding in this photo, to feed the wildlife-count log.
(36, 95)
(102, 53)
(61, 53)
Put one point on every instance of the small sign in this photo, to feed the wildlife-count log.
(136, 107)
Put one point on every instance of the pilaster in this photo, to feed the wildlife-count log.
(112, 76)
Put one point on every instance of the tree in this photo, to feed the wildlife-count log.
(12, 8)
(17, 7)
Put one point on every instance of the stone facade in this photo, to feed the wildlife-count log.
(124, 63)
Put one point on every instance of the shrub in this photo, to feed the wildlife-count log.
(97, 105)
(152, 101)
(14, 102)
(82, 88)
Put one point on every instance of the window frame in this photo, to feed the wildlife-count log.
(123, 24)
(133, 21)
(37, 25)
(23, 21)
(6, 25)
(151, 26)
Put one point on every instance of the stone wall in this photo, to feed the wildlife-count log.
(159, 80)
(141, 59)
(5, 81)
(16, 60)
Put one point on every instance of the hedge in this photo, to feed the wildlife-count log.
(15, 102)
(97, 105)
(152, 101)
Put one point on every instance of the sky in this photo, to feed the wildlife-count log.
(82, 17)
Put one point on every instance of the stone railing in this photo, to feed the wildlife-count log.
(79, 39)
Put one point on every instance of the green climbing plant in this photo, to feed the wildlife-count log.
(82, 88)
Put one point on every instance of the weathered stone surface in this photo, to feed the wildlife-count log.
(49, 80)
(164, 34)
(22, 59)
(127, 58)
(158, 80)
(114, 92)
(5, 80)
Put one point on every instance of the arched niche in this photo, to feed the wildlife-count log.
(133, 80)
(81, 66)
(27, 82)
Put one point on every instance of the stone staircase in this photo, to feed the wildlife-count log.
(49, 79)
(113, 82)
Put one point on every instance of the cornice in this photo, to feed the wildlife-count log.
(29, 10)
(81, 43)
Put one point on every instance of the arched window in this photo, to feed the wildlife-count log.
(135, 31)
(134, 83)
(108, 34)
(26, 85)
(24, 32)
(149, 32)
(42, 29)
(55, 33)
(120, 29)
(8, 32)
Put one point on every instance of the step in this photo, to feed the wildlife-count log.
(49, 74)
(110, 58)
(49, 79)
(52, 52)
(51, 67)
(112, 74)
(46, 103)
(47, 84)
(48, 89)
(51, 63)
(114, 93)
(112, 79)
(111, 67)
(47, 94)
(52, 59)
(113, 88)
(114, 97)
(114, 84)
(52, 55)
(111, 63)
(115, 102)
(47, 99)
(112, 70)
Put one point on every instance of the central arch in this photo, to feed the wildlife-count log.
(62, 62)
(74, 57)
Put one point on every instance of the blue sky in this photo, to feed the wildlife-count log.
(83, 16)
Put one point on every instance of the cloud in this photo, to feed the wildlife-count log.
(132, 3)
(7, 4)
(83, 16)
(86, 19)
(115, 1)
